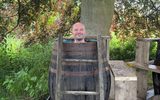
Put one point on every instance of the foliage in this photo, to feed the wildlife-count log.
(37, 20)
(122, 50)
(125, 49)
(24, 70)
(153, 49)
(136, 18)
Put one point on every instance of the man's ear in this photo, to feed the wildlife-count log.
(84, 31)
(70, 30)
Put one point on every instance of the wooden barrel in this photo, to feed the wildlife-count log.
(80, 71)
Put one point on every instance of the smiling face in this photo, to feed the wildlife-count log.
(78, 30)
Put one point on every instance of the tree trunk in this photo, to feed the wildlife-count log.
(96, 15)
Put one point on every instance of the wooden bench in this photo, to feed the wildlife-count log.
(124, 81)
(142, 65)
(155, 97)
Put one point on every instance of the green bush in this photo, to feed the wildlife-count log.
(122, 50)
(153, 49)
(23, 70)
(125, 50)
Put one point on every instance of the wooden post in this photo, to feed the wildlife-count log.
(142, 84)
(107, 49)
(142, 58)
(142, 52)
(112, 91)
(100, 65)
(59, 67)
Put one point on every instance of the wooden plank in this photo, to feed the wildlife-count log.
(141, 84)
(80, 60)
(125, 81)
(81, 92)
(59, 67)
(146, 48)
(95, 37)
(125, 90)
(126, 78)
(107, 43)
(121, 69)
(148, 39)
(112, 91)
(100, 65)
(139, 51)
(142, 52)
(152, 68)
(91, 37)
(105, 49)
(155, 97)
(142, 79)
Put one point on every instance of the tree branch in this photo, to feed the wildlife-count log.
(18, 20)
(9, 16)
(156, 9)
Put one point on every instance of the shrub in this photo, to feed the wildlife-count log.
(125, 50)
(24, 70)
(122, 50)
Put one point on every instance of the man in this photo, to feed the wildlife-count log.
(78, 31)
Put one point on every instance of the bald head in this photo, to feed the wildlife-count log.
(78, 30)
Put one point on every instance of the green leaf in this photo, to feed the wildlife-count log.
(34, 78)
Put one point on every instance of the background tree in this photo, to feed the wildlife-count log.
(36, 20)
(137, 18)
(97, 15)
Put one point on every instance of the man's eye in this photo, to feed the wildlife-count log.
(76, 30)
(81, 29)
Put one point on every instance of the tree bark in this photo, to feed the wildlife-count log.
(96, 15)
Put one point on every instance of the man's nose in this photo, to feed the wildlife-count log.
(80, 33)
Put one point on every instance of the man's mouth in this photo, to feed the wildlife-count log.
(79, 39)
(79, 35)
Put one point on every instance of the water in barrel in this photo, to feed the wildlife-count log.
(79, 75)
